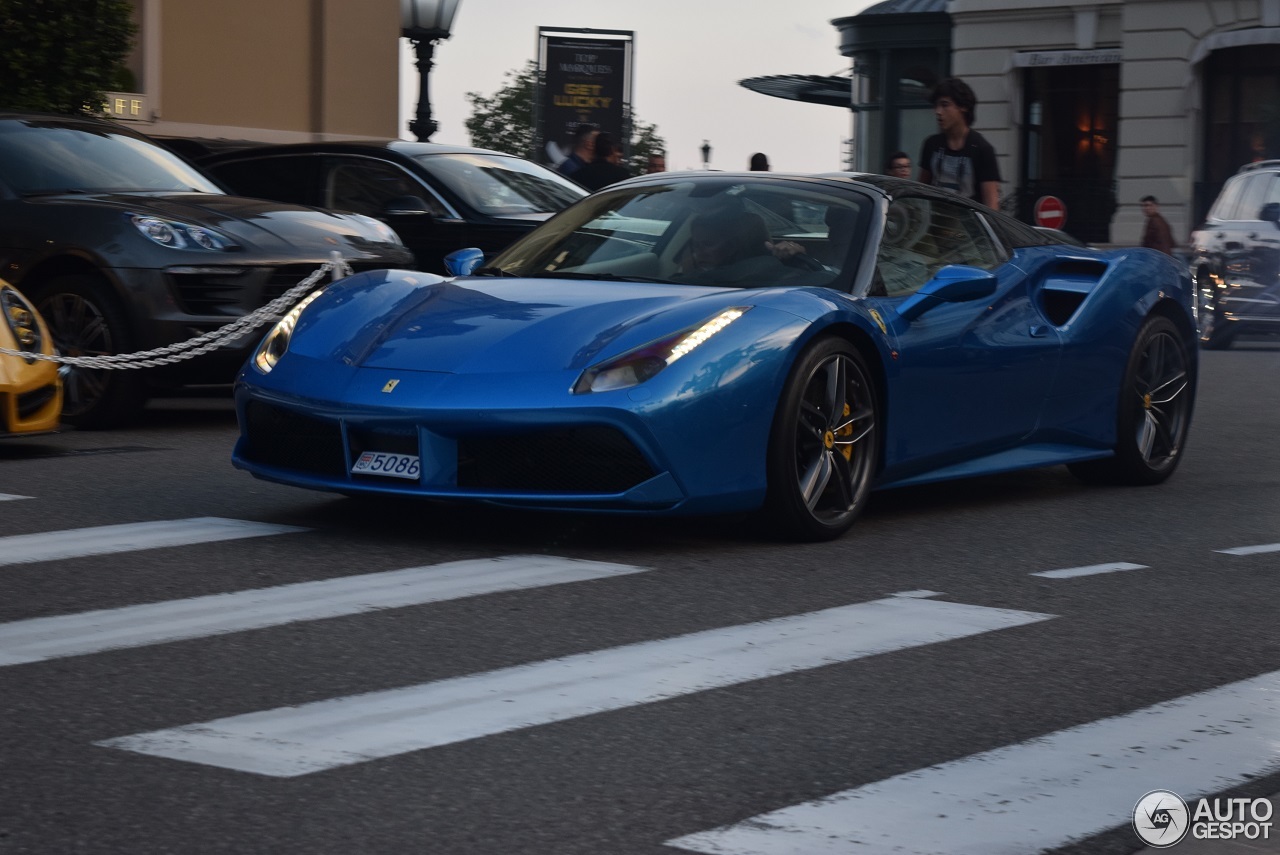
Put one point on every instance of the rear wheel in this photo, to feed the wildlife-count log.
(86, 320)
(824, 447)
(1154, 410)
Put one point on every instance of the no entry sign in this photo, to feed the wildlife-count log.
(1050, 212)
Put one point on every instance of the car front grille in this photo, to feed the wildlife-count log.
(287, 440)
(235, 291)
(31, 403)
(586, 460)
(591, 459)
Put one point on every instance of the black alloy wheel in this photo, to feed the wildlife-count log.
(1154, 413)
(824, 448)
(85, 321)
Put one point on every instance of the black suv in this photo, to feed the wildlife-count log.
(123, 246)
(438, 198)
(1235, 259)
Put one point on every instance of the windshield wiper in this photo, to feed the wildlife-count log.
(600, 277)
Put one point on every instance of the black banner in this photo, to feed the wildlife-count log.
(583, 79)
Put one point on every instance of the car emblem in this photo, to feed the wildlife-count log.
(875, 316)
(391, 385)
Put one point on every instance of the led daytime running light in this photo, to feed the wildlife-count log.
(703, 333)
(636, 366)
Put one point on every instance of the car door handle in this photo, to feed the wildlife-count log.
(1039, 330)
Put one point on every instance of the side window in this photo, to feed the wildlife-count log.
(923, 235)
(366, 186)
(1225, 207)
(284, 179)
(1254, 196)
(1273, 190)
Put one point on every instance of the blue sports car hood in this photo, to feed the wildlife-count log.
(425, 323)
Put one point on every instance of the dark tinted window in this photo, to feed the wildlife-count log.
(285, 179)
(365, 186)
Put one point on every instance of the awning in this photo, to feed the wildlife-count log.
(811, 88)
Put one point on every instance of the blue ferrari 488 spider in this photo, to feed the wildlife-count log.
(715, 343)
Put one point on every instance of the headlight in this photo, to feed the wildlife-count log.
(276, 342)
(21, 318)
(636, 366)
(178, 235)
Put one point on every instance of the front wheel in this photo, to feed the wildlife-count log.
(1154, 410)
(824, 447)
(86, 320)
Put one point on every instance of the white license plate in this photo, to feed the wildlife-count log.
(388, 463)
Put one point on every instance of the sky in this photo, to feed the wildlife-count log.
(689, 56)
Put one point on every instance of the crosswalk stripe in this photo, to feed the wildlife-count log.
(1251, 550)
(106, 539)
(9, 497)
(1036, 795)
(1091, 570)
(39, 639)
(292, 741)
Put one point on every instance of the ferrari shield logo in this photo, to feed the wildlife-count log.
(875, 316)
(391, 385)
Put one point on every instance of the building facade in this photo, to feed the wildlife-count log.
(283, 71)
(1102, 102)
(1094, 102)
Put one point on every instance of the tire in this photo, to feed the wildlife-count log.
(1154, 411)
(86, 320)
(824, 447)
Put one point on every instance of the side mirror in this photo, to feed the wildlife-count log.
(1270, 213)
(463, 262)
(955, 283)
(402, 205)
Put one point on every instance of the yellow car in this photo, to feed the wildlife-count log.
(30, 390)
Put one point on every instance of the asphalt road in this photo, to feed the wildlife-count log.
(671, 689)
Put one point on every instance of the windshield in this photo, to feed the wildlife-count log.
(712, 231)
(49, 157)
(502, 186)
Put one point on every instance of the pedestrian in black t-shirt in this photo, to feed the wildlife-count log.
(959, 158)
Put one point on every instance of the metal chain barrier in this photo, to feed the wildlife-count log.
(206, 342)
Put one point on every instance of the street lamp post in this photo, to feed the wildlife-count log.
(425, 22)
(706, 155)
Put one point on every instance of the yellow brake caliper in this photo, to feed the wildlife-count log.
(847, 430)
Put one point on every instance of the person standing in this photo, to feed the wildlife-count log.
(958, 157)
(1156, 234)
(605, 167)
(584, 139)
(657, 163)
